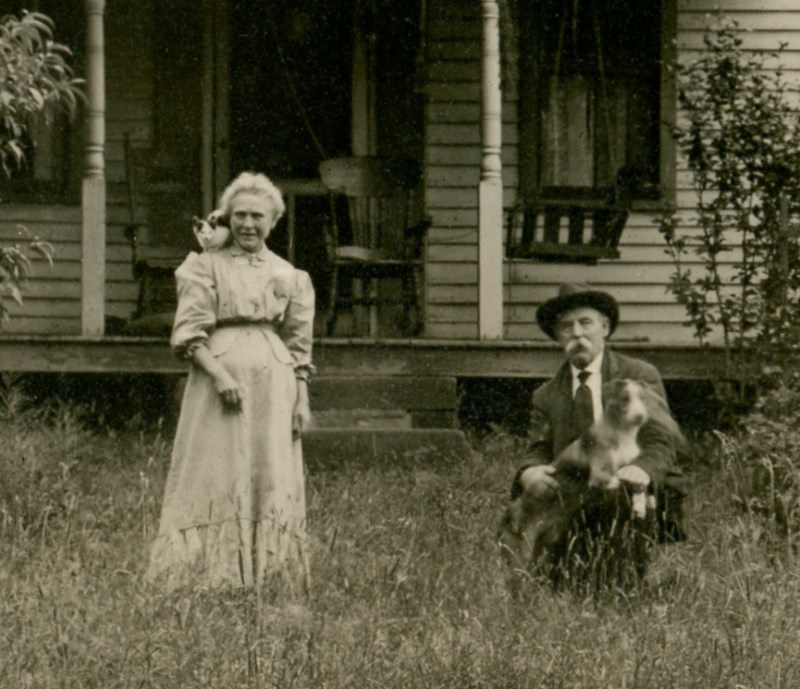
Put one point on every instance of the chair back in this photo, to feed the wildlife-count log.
(378, 192)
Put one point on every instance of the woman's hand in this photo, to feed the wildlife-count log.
(301, 414)
(228, 389)
(224, 383)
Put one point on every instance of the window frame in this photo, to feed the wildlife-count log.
(530, 125)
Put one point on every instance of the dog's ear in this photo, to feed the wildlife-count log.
(613, 388)
(660, 414)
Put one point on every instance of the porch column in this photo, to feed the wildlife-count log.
(490, 190)
(363, 136)
(93, 201)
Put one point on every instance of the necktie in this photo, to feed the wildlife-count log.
(582, 407)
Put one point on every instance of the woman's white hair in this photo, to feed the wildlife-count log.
(257, 184)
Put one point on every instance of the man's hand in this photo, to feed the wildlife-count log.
(634, 475)
(538, 479)
(638, 480)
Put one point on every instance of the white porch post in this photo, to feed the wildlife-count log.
(490, 190)
(93, 201)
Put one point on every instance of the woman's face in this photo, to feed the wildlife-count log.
(251, 220)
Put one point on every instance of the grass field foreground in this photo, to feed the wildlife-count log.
(407, 587)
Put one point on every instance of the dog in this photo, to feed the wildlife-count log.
(213, 232)
(532, 525)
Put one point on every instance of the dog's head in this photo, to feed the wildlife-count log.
(632, 403)
(626, 403)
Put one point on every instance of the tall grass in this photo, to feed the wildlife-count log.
(407, 588)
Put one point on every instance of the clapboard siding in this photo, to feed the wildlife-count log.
(52, 295)
(129, 87)
(51, 299)
(639, 278)
(131, 59)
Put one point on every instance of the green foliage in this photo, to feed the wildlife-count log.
(36, 80)
(16, 268)
(762, 457)
(741, 140)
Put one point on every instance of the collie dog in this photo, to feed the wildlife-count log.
(534, 523)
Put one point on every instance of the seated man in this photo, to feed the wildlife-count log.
(580, 319)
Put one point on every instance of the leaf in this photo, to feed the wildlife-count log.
(15, 293)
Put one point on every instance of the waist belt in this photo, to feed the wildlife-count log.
(241, 323)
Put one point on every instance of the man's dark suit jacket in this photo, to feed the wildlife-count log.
(551, 429)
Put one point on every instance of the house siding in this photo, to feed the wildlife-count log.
(638, 279)
(52, 297)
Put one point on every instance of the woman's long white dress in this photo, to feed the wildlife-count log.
(234, 503)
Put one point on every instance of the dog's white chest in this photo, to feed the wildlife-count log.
(627, 451)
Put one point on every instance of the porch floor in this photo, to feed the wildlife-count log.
(351, 357)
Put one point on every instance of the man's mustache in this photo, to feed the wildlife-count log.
(576, 345)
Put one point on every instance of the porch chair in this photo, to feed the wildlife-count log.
(153, 260)
(382, 242)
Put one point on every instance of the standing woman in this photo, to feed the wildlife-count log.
(234, 503)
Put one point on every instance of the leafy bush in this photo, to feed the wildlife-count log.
(740, 137)
(16, 268)
(36, 81)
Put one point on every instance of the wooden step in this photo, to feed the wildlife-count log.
(384, 392)
(361, 418)
(431, 401)
(329, 448)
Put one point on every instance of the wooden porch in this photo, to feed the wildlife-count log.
(342, 357)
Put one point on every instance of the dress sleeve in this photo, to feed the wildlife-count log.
(196, 314)
(297, 331)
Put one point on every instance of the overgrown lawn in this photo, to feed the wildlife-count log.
(407, 587)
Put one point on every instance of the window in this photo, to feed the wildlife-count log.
(591, 97)
(52, 145)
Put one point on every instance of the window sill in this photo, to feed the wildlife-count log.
(551, 252)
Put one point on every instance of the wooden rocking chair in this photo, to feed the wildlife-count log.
(378, 193)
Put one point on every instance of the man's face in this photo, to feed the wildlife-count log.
(582, 333)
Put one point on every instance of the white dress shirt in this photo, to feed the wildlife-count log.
(594, 382)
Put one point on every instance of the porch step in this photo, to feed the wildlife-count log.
(429, 401)
(383, 420)
(331, 448)
(361, 418)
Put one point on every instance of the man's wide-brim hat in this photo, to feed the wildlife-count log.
(573, 296)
